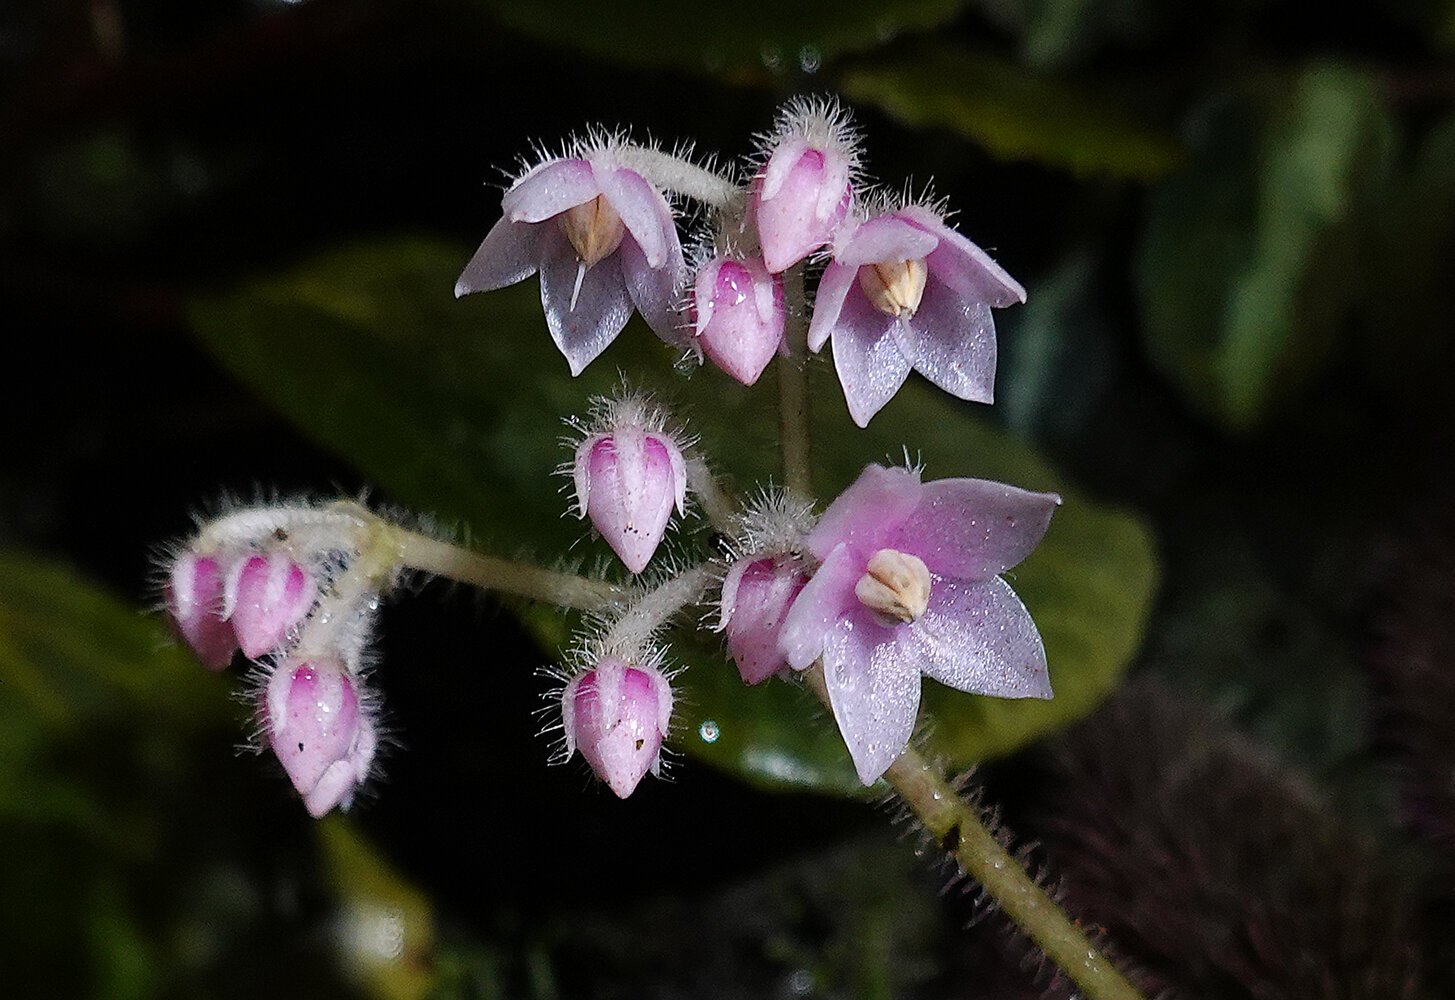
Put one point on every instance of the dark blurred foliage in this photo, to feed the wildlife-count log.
(1235, 222)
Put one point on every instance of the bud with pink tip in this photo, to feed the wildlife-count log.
(195, 602)
(756, 596)
(267, 596)
(806, 184)
(322, 735)
(629, 476)
(617, 715)
(740, 316)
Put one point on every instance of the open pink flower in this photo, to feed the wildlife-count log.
(603, 240)
(908, 584)
(904, 291)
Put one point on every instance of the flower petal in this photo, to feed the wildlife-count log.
(870, 364)
(643, 211)
(867, 513)
(951, 341)
(827, 596)
(963, 265)
(656, 290)
(885, 239)
(582, 321)
(508, 254)
(978, 637)
(972, 528)
(828, 302)
(874, 691)
(549, 190)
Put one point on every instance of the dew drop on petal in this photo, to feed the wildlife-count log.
(708, 732)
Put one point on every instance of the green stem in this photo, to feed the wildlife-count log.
(793, 388)
(716, 505)
(959, 830)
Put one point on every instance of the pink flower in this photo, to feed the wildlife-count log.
(740, 316)
(617, 715)
(757, 593)
(194, 600)
(322, 735)
(799, 200)
(628, 478)
(267, 596)
(603, 240)
(904, 291)
(908, 584)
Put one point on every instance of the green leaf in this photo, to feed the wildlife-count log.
(729, 39)
(1013, 113)
(455, 408)
(1247, 262)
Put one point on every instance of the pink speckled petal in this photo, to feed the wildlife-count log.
(978, 637)
(973, 528)
(868, 512)
(549, 190)
(507, 255)
(867, 356)
(874, 691)
(964, 266)
(885, 239)
(828, 302)
(951, 342)
(602, 305)
(643, 211)
(827, 596)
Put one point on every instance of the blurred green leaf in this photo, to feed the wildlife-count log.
(1247, 263)
(730, 39)
(455, 407)
(385, 925)
(1013, 113)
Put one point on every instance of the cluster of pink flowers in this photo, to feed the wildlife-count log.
(896, 579)
(900, 289)
(253, 582)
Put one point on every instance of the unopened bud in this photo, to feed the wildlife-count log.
(740, 316)
(195, 602)
(756, 596)
(627, 481)
(322, 735)
(896, 587)
(895, 288)
(267, 596)
(594, 229)
(617, 715)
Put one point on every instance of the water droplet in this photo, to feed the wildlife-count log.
(708, 732)
(810, 58)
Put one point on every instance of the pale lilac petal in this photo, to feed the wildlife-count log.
(656, 291)
(867, 513)
(827, 596)
(549, 190)
(757, 595)
(978, 637)
(828, 302)
(883, 240)
(775, 172)
(643, 211)
(508, 254)
(972, 528)
(601, 308)
(951, 342)
(870, 364)
(873, 689)
(963, 265)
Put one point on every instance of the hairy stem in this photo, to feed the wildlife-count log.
(959, 830)
(676, 174)
(793, 388)
(654, 609)
(716, 505)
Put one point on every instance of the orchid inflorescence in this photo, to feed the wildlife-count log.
(896, 578)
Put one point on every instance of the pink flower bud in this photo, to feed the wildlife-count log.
(740, 316)
(617, 715)
(266, 597)
(627, 480)
(799, 199)
(194, 600)
(756, 596)
(323, 737)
